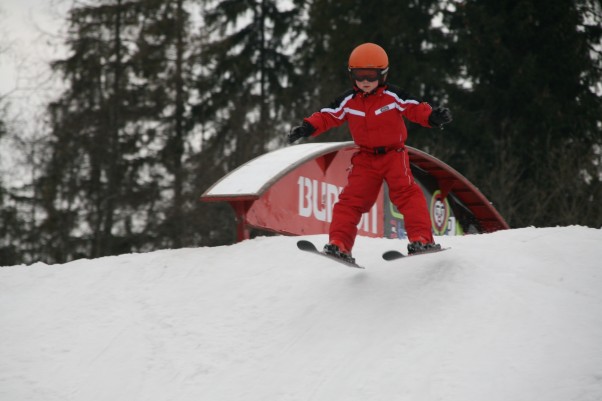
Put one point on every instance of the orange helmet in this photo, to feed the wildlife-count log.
(369, 56)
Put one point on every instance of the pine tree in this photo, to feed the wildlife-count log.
(243, 96)
(247, 70)
(117, 131)
(164, 60)
(527, 115)
(10, 223)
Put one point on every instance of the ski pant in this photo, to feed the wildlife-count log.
(363, 186)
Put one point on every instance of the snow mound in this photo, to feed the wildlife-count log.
(510, 316)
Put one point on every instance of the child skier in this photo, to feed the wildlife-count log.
(375, 111)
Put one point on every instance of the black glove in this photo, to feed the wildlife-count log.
(440, 116)
(302, 131)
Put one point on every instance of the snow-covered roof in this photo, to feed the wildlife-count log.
(254, 177)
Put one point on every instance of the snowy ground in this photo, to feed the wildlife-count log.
(509, 316)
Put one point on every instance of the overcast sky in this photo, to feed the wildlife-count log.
(29, 40)
(29, 36)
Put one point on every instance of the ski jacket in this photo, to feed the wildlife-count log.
(375, 119)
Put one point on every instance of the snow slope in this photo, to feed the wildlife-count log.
(510, 316)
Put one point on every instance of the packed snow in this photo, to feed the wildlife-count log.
(254, 176)
(514, 315)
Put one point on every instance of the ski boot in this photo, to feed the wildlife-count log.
(337, 249)
(421, 247)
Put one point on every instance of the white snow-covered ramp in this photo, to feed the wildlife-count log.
(511, 316)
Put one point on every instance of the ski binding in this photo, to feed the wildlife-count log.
(308, 246)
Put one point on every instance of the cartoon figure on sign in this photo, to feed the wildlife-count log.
(440, 212)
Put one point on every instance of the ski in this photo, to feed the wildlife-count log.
(308, 246)
(394, 255)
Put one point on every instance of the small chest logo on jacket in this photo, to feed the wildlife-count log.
(383, 109)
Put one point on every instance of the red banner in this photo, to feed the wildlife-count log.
(301, 202)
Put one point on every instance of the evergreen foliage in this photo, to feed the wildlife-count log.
(527, 126)
(244, 86)
(244, 96)
(12, 226)
(114, 172)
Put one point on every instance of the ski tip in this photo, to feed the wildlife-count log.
(392, 255)
(305, 245)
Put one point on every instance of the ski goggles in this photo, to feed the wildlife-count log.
(367, 74)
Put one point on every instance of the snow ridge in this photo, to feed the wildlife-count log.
(510, 316)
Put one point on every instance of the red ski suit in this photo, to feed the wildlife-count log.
(377, 127)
